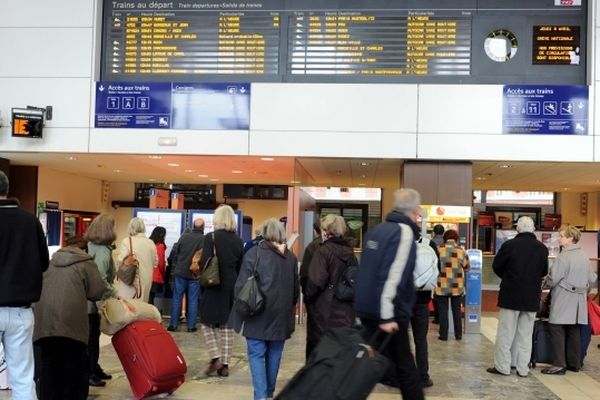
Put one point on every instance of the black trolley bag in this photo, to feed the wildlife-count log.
(343, 366)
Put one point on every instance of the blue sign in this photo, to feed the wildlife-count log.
(545, 109)
(173, 105)
(473, 295)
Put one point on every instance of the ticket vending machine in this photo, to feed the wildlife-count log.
(473, 297)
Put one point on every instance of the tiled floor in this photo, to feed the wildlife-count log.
(457, 369)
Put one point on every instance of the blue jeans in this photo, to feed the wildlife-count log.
(264, 357)
(192, 287)
(16, 334)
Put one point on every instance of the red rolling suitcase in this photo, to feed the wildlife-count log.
(150, 357)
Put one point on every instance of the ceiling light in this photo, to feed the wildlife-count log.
(203, 176)
(364, 164)
(71, 158)
(362, 184)
(505, 166)
(267, 158)
(481, 178)
(295, 182)
(116, 170)
(237, 171)
(152, 180)
(565, 188)
(363, 176)
(189, 170)
(173, 165)
(214, 180)
(155, 157)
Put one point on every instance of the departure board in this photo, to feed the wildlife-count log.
(377, 43)
(350, 41)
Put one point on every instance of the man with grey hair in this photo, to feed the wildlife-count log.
(23, 260)
(521, 263)
(385, 294)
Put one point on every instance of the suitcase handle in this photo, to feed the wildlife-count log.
(385, 342)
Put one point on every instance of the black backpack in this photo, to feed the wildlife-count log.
(344, 287)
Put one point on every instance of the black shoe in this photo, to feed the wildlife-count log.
(458, 337)
(171, 328)
(442, 338)
(573, 369)
(554, 371)
(493, 370)
(427, 383)
(192, 329)
(103, 375)
(95, 381)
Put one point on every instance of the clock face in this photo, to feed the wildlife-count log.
(501, 45)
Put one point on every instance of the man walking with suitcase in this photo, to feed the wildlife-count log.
(521, 263)
(385, 292)
(23, 260)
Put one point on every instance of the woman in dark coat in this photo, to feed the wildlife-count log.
(328, 263)
(266, 332)
(216, 302)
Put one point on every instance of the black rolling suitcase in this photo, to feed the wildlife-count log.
(343, 366)
(541, 349)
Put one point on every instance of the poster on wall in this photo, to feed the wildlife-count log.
(545, 109)
(172, 221)
(173, 105)
(207, 216)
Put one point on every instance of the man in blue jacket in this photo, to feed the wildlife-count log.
(385, 292)
(23, 260)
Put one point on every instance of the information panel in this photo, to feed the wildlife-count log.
(549, 109)
(193, 42)
(344, 41)
(379, 43)
(556, 44)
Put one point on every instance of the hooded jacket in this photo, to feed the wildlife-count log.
(71, 279)
(23, 255)
(385, 290)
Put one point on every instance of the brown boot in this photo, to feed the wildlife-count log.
(224, 370)
(213, 367)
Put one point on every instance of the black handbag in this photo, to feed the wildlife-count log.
(251, 300)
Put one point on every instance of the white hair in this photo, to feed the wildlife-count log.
(406, 200)
(136, 225)
(525, 224)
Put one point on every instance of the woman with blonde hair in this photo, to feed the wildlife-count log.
(144, 250)
(216, 301)
(328, 263)
(570, 278)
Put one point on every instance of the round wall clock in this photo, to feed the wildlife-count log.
(501, 45)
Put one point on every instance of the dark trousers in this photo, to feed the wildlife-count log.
(586, 338)
(94, 344)
(442, 303)
(398, 351)
(63, 374)
(420, 326)
(571, 335)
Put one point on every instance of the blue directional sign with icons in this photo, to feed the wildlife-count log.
(173, 105)
(545, 109)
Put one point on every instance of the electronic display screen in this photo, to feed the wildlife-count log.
(338, 41)
(555, 44)
(27, 123)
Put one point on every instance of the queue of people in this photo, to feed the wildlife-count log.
(70, 288)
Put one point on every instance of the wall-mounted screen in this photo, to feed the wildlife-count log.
(207, 216)
(333, 41)
(172, 220)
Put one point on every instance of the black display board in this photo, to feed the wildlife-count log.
(338, 41)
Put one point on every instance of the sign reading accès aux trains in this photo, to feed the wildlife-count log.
(545, 109)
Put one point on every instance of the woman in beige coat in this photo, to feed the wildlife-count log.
(570, 279)
(145, 252)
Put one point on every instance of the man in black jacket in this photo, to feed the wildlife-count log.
(521, 263)
(185, 282)
(23, 260)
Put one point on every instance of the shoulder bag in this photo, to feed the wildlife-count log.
(195, 264)
(251, 300)
(210, 275)
(128, 268)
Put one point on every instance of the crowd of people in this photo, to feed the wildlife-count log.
(67, 291)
